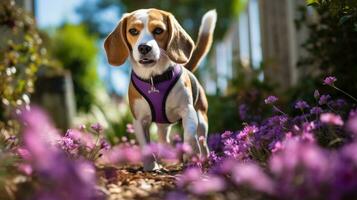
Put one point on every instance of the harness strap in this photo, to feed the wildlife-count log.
(161, 85)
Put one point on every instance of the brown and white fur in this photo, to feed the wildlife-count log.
(167, 43)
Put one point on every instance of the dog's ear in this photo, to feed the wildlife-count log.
(180, 45)
(115, 45)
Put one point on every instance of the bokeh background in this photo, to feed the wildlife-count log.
(261, 47)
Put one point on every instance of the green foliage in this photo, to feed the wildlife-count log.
(223, 116)
(331, 44)
(188, 12)
(77, 51)
(21, 54)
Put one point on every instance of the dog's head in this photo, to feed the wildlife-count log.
(148, 36)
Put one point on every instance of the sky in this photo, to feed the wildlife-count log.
(54, 13)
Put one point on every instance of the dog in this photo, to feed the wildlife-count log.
(163, 88)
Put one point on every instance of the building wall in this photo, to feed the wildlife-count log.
(264, 34)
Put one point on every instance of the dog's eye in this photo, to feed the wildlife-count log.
(133, 31)
(158, 31)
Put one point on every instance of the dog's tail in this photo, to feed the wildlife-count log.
(204, 40)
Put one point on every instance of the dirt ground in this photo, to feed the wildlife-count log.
(130, 182)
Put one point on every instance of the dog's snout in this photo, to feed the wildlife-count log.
(144, 49)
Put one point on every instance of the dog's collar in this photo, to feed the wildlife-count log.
(167, 75)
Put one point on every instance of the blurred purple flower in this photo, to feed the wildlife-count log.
(300, 161)
(24, 153)
(97, 127)
(330, 80)
(316, 110)
(176, 195)
(130, 128)
(251, 174)
(271, 100)
(352, 124)
(214, 142)
(278, 146)
(188, 176)
(25, 168)
(207, 184)
(345, 173)
(301, 105)
(330, 118)
(226, 134)
(324, 99)
(61, 177)
(183, 148)
(122, 154)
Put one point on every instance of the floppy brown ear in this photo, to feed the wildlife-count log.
(115, 44)
(180, 45)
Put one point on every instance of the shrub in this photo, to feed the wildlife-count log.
(21, 54)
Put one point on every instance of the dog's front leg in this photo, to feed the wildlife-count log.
(189, 123)
(143, 136)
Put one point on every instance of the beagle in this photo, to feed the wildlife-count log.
(163, 88)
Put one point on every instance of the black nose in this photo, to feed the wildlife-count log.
(144, 49)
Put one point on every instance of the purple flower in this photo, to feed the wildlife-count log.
(226, 134)
(324, 99)
(330, 118)
(316, 110)
(207, 184)
(67, 144)
(252, 175)
(214, 142)
(301, 105)
(183, 148)
(176, 195)
(300, 161)
(97, 127)
(188, 176)
(130, 128)
(25, 168)
(104, 145)
(122, 154)
(59, 176)
(352, 124)
(24, 153)
(345, 172)
(271, 100)
(317, 94)
(330, 80)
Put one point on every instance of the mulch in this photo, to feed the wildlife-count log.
(131, 182)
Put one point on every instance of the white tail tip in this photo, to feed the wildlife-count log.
(209, 21)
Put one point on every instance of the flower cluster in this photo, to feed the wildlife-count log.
(282, 157)
(59, 176)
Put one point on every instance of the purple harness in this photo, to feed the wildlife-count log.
(156, 90)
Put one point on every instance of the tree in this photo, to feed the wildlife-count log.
(331, 43)
(77, 51)
(188, 12)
